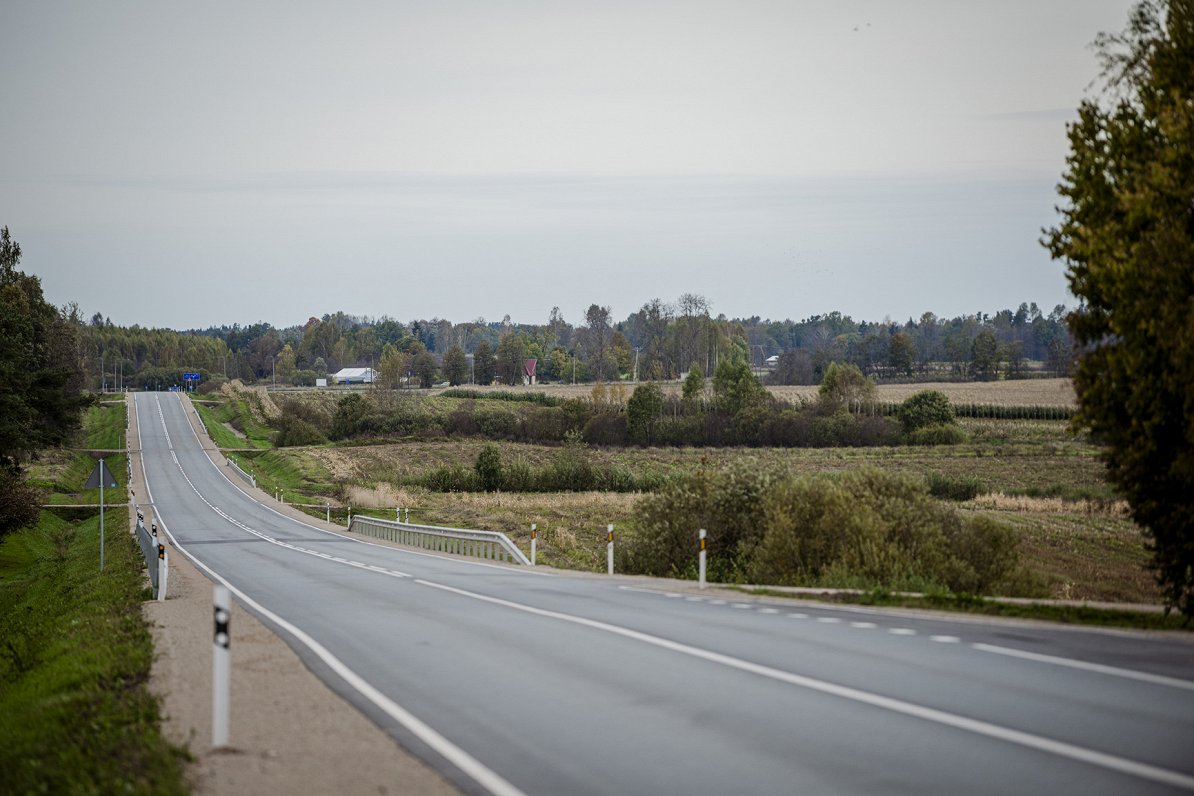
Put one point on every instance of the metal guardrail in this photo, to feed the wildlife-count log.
(156, 558)
(490, 545)
(247, 476)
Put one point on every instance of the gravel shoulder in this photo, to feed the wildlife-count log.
(290, 733)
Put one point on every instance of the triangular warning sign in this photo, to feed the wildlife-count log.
(100, 476)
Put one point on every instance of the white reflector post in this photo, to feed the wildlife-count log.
(221, 675)
(534, 541)
(609, 548)
(702, 558)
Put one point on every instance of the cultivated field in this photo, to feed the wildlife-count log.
(1021, 392)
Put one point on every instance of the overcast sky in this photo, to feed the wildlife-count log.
(197, 164)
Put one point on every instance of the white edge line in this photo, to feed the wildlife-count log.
(1018, 737)
(471, 767)
(1114, 671)
(239, 488)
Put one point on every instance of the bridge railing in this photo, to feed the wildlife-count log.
(490, 545)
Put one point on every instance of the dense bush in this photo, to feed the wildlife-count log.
(606, 428)
(954, 487)
(292, 430)
(863, 528)
(936, 435)
(728, 505)
(926, 408)
(489, 468)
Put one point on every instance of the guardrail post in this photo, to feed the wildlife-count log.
(534, 540)
(220, 669)
(609, 548)
(702, 559)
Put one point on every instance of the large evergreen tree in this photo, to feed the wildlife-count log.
(1127, 237)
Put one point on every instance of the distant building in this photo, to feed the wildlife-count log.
(354, 376)
(772, 362)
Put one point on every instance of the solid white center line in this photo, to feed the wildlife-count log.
(1115, 671)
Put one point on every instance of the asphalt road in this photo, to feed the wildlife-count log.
(515, 681)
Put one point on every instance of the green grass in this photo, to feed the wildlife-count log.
(288, 469)
(237, 415)
(76, 715)
(104, 426)
(66, 481)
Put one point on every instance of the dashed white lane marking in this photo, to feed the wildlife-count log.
(694, 599)
(829, 620)
(717, 602)
(945, 639)
(769, 610)
(741, 606)
(259, 534)
(864, 625)
(901, 631)
(797, 616)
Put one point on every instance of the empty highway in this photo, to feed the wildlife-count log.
(511, 680)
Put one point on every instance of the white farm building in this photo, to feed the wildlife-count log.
(354, 376)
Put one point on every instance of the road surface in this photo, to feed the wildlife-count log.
(510, 680)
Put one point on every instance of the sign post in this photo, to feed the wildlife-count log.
(101, 476)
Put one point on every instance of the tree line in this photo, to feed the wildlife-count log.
(659, 341)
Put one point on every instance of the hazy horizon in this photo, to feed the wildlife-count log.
(189, 167)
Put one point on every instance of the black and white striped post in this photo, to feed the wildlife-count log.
(702, 559)
(534, 542)
(220, 696)
(609, 548)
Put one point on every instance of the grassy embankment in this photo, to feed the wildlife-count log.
(76, 715)
(232, 424)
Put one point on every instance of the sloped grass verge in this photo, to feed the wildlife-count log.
(237, 415)
(76, 715)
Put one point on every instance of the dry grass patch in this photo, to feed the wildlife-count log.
(998, 501)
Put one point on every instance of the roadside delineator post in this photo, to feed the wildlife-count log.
(534, 540)
(349, 524)
(329, 512)
(609, 548)
(407, 512)
(163, 571)
(702, 559)
(220, 680)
